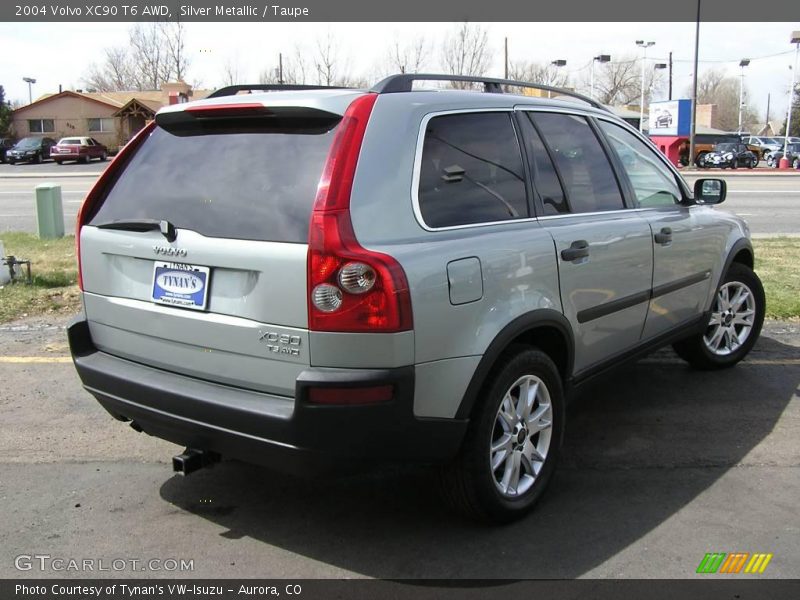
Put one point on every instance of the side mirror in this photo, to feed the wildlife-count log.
(710, 191)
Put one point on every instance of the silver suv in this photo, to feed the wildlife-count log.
(322, 278)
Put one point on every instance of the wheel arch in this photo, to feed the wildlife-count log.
(741, 252)
(547, 329)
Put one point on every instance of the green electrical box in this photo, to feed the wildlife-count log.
(49, 211)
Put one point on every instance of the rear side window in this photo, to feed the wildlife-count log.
(544, 176)
(245, 182)
(590, 182)
(471, 171)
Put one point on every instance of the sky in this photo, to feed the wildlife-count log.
(61, 53)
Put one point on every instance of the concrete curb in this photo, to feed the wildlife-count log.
(743, 173)
(48, 175)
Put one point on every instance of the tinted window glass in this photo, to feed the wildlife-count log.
(543, 173)
(471, 171)
(590, 183)
(249, 184)
(652, 181)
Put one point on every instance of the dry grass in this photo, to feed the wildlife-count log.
(777, 261)
(55, 276)
(54, 289)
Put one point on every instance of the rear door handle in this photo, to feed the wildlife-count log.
(664, 236)
(578, 249)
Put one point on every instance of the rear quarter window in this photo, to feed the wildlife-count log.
(471, 171)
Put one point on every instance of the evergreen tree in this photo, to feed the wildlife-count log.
(5, 113)
(795, 127)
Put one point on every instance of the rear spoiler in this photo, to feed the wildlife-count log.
(241, 111)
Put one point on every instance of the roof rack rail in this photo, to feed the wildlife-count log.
(232, 90)
(404, 82)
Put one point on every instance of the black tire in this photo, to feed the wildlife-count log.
(103, 157)
(37, 159)
(59, 162)
(796, 163)
(701, 160)
(469, 483)
(696, 351)
(753, 163)
(770, 161)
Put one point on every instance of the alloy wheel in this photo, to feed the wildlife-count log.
(732, 319)
(521, 436)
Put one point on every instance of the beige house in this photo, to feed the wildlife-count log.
(111, 118)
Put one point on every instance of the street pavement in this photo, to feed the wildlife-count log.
(768, 200)
(661, 464)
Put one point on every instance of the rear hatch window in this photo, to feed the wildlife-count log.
(251, 179)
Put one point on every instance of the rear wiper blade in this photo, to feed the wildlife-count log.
(166, 228)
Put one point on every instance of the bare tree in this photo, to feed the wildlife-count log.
(116, 73)
(620, 82)
(533, 72)
(326, 59)
(173, 36)
(295, 69)
(465, 52)
(409, 57)
(231, 71)
(155, 54)
(714, 87)
(149, 55)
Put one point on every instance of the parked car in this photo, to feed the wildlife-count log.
(5, 145)
(395, 274)
(792, 153)
(30, 149)
(79, 149)
(763, 145)
(731, 156)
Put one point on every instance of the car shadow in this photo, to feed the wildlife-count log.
(640, 445)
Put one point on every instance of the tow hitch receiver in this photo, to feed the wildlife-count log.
(192, 460)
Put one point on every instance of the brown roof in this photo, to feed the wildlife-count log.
(47, 97)
(153, 99)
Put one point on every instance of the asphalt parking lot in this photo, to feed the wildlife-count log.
(661, 465)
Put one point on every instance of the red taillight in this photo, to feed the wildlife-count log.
(351, 396)
(336, 303)
(103, 183)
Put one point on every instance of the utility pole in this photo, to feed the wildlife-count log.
(506, 60)
(742, 64)
(670, 75)
(694, 88)
(644, 46)
(280, 68)
(767, 121)
(30, 81)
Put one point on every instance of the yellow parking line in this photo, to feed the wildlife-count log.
(766, 361)
(21, 360)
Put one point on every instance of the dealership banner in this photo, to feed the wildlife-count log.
(266, 11)
(371, 589)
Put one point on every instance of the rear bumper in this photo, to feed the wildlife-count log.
(280, 432)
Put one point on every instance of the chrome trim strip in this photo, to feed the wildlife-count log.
(418, 162)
